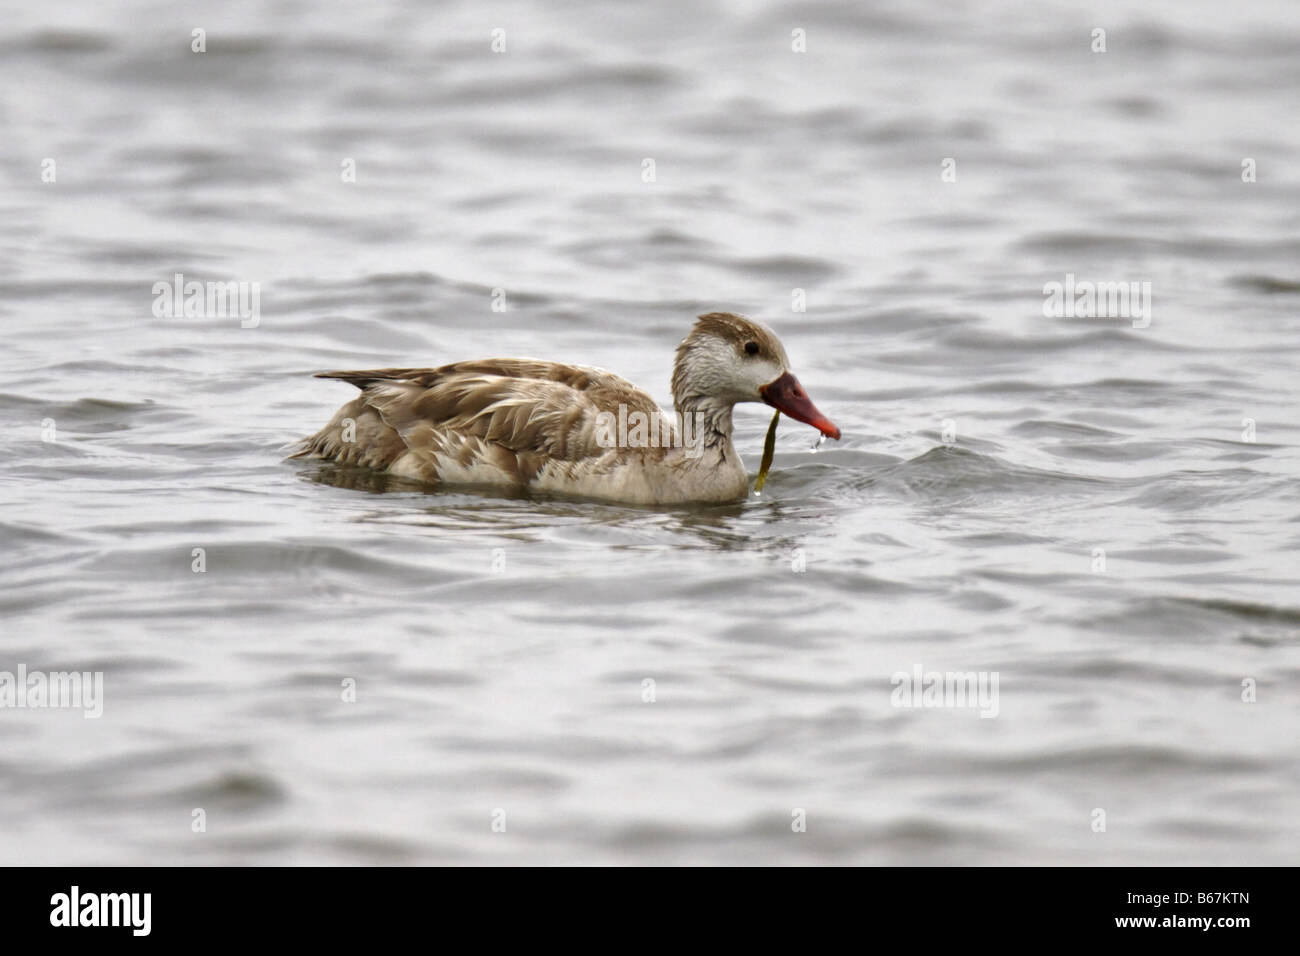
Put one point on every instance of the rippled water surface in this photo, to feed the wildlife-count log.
(1103, 515)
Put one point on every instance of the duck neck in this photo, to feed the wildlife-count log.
(703, 412)
(708, 421)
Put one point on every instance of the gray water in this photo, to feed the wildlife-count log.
(1099, 512)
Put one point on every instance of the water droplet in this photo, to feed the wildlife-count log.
(820, 441)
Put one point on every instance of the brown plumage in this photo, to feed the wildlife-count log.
(525, 423)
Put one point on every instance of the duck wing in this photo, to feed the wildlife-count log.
(493, 420)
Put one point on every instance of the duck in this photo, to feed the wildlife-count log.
(530, 425)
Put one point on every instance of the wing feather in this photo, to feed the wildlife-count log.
(517, 415)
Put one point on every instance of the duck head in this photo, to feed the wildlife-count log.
(728, 358)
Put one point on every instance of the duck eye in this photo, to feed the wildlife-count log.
(751, 348)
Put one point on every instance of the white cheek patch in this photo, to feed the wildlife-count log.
(734, 374)
(764, 373)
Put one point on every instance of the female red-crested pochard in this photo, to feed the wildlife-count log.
(572, 429)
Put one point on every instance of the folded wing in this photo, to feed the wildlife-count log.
(493, 420)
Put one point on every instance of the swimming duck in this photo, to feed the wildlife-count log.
(574, 429)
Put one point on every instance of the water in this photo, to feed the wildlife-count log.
(500, 645)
